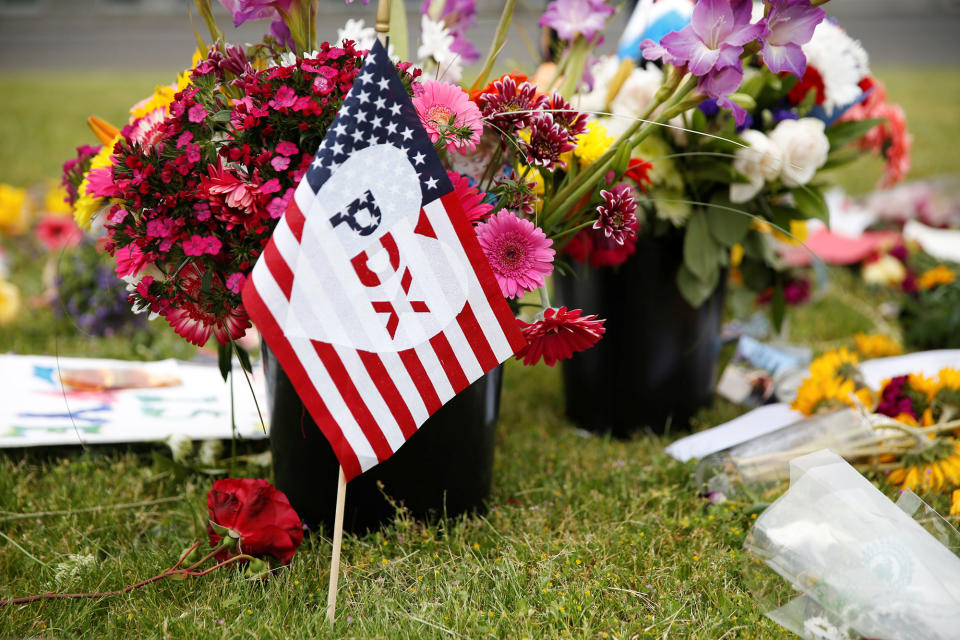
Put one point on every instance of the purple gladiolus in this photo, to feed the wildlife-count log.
(713, 40)
(791, 24)
(571, 17)
(243, 10)
(280, 31)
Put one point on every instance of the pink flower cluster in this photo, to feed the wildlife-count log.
(889, 139)
(198, 200)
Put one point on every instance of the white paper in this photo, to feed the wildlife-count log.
(942, 244)
(36, 410)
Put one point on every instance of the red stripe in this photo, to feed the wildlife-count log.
(367, 277)
(421, 380)
(278, 267)
(468, 240)
(448, 359)
(295, 219)
(392, 250)
(354, 401)
(478, 341)
(288, 360)
(391, 395)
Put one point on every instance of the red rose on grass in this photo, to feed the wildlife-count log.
(257, 514)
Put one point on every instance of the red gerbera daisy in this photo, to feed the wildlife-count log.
(559, 335)
(471, 199)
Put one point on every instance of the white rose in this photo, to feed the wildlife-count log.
(759, 162)
(804, 147)
(885, 270)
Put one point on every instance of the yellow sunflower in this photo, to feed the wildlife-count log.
(877, 345)
(955, 507)
(818, 394)
(838, 362)
(930, 469)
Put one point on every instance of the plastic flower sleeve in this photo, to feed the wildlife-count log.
(864, 566)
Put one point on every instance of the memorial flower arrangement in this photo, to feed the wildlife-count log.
(918, 437)
(787, 96)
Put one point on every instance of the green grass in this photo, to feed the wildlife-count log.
(584, 539)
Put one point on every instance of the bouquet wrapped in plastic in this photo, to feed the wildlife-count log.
(866, 568)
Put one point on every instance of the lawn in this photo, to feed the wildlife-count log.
(584, 537)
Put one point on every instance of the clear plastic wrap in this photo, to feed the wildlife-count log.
(862, 566)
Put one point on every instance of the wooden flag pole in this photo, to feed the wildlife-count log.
(383, 28)
(337, 540)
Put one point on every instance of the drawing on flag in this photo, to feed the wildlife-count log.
(373, 292)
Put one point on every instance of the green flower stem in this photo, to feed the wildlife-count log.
(498, 39)
(571, 232)
(671, 94)
(575, 60)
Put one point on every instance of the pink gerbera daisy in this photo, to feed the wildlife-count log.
(518, 252)
(559, 335)
(471, 199)
(438, 103)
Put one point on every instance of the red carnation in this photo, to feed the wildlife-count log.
(257, 514)
(811, 80)
(559, 335)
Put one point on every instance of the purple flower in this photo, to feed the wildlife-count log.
(571, 17)
(791, 24)
(243, 10)
(280, 31)
(713, 40)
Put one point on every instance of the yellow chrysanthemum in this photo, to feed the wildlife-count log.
(935, 277)
(592, 143)
(9, 302)
(931, 468)
(87, 205)
(838, 362)
(13, 209)
(55, 201)
(877, 345)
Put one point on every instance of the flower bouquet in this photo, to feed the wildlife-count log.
(730, 179)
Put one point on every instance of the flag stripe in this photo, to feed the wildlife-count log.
(317, 379)
(391, 395)
(462, 351)
(474, 334)
(420, 378)
(372, 397)
(298, 376)
(296, 211)
(448, 360)
(279, 268)
(435, 373)
(348, 391)
(481, 268)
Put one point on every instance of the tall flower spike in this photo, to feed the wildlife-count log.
(791, 24)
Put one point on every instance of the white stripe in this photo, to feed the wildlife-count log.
(438, 377)
(276, 302)
(304, 196)
(405, 386)
(492, 331)
(371, 396)
(461, 348)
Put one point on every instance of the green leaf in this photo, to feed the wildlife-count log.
(757, 276)
(757, 246)
(728, 227)
(810, 203)
(694, 290)
(843, 132)
(221, 116)
(778, 306)
(701, 253)
(841, 158)
(698, 120)
(224, 360)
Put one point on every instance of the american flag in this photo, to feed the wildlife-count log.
(373, 291)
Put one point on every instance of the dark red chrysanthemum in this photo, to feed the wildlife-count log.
(559, 335)
(565, 115)
(256, 513)
(511, 106)
(617, 216)
(548, 140)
